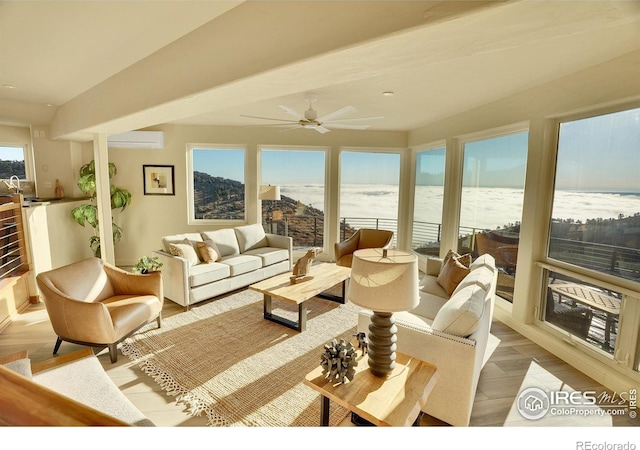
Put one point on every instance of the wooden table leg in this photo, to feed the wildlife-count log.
(302, 316)
(324, 411)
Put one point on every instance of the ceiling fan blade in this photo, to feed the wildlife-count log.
(338, 113)
(321, 129)
(269, 118)
(292, 111)
(289, 129)
(347, 127)
(359, 119)
(288, 124)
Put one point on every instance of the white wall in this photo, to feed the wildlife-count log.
(150, 217)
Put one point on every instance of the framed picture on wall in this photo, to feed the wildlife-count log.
(158, 180)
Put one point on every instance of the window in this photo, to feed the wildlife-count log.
(12, 162)
(299, 213)
(216, 185)
(595, 233)
(491, 205)
(427, 204)
(368, 191)
(596, 207)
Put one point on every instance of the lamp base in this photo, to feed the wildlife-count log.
(382, 344)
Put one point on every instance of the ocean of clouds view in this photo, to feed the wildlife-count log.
(486, 208)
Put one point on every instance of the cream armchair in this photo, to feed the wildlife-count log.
(362, 238)
(93, 303)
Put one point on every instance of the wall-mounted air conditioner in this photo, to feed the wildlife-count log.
(137, 139)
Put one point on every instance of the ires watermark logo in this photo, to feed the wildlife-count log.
(534, 403)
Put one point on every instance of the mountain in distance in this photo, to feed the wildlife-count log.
(222, 198)
(10, 168)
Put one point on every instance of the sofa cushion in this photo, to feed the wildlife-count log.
(208, 273)
(460, 316)
(239, 264)
(18, 362)
(429, 305)
(179, 238)
(484, 260)
(225, 240)
(251, 237)
(208, 251)
(429, 284)
(452, 273)
(269, 255)
(185, 250)
(482, 276)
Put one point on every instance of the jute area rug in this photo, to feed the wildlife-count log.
(223, 359)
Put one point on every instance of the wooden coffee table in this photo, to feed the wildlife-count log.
(325, 276)
(393, 401)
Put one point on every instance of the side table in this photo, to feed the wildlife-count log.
(392, 401)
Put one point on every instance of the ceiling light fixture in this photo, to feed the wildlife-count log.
(388, 93)
(8, 86)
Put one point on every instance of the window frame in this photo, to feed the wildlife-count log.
(191, 219)
(413, 182)
(626, 357)
(29, 170)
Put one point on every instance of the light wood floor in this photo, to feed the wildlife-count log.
(515, 364)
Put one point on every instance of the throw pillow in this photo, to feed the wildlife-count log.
(185, 250)
(452, 273)
(208, 251)
(463, 259)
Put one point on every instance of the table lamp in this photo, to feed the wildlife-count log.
(384, 281)
(268, 192)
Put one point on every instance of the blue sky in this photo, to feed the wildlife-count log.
(601, 153)
(11, 153)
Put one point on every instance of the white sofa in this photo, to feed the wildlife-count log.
(246, 255)
(450, 332)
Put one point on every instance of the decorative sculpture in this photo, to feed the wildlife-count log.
(303, 266)
(362, 342)
(339, 361)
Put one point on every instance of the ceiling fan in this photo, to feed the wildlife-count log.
(323, 124)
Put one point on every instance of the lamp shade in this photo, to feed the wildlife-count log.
(269, 192)
(384, 280)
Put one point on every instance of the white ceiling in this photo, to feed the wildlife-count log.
(439, 58)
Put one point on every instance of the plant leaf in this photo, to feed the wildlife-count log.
(85, 213)
(117, 232)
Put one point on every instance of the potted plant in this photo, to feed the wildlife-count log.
(147, 264)
(88, 213)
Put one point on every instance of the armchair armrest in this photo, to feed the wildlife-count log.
(346, 247)
(133, 283)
